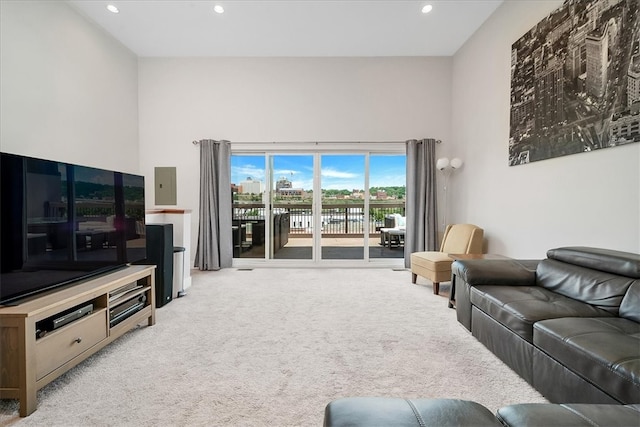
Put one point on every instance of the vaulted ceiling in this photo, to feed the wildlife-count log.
(166, 28)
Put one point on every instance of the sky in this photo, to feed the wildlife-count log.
(338, 171)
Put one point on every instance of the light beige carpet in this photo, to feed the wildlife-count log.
(271, 347)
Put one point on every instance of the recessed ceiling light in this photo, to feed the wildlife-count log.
(427, 8)
(111, 8)
(218, 9)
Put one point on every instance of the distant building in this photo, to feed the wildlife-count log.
(576, 62)
(284, 188)
(560, 23)
(549, 90)
(251, 186)
(291, 192)
(598, 44)
(283, 183)
(597, 8)
(523, 110)
(633, 81)
(597, 51)
(381, 195)
(626, 128)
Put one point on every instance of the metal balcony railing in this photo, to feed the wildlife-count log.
(338, 219)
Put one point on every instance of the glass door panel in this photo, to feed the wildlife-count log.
(387, 177)
(343, 199)
(248, 198)
(292, 211)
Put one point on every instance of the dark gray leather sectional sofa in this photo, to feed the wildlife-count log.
(568, 324)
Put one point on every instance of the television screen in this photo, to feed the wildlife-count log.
(62, 222)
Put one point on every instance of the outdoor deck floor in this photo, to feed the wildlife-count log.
(332, 248)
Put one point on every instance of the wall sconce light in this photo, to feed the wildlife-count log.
(446, 166)
(444, 163)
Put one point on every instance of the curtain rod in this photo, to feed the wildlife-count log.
(438, 141)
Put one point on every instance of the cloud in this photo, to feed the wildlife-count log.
(333, 173)
(242, 172)
(306, 185)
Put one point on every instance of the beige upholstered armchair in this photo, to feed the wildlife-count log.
(436, 266)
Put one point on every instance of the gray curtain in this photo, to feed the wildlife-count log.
(421, 206)
(215, 243)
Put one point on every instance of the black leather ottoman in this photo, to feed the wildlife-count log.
(570, 415)
(396, 412)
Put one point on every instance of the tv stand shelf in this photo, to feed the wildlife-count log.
(33, 352)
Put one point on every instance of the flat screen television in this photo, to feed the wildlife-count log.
(62, 223)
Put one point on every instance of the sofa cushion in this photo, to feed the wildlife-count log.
(616, 262)
(630, 306)
(519, 307)
(569, 415)
(434, 261)
(603, 351)
(398, 412)
(598, 288)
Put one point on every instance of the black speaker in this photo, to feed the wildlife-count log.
(160, 253)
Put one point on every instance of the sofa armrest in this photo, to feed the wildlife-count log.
(510, 272)
(469, 273)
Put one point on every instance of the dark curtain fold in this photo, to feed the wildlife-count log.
(421, 205)
(215, 243)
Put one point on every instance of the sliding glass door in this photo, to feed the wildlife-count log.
(292, 210)
(387, 185)
(248, 176)
(318, 207)
(344, 219)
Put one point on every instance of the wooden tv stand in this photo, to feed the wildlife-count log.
(32, 353)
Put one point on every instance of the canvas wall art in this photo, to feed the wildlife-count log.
(575, 81)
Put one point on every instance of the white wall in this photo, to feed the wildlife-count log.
(69, 91)
(283, 100)
(590, 199)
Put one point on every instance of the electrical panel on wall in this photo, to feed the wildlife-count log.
(165, 186)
